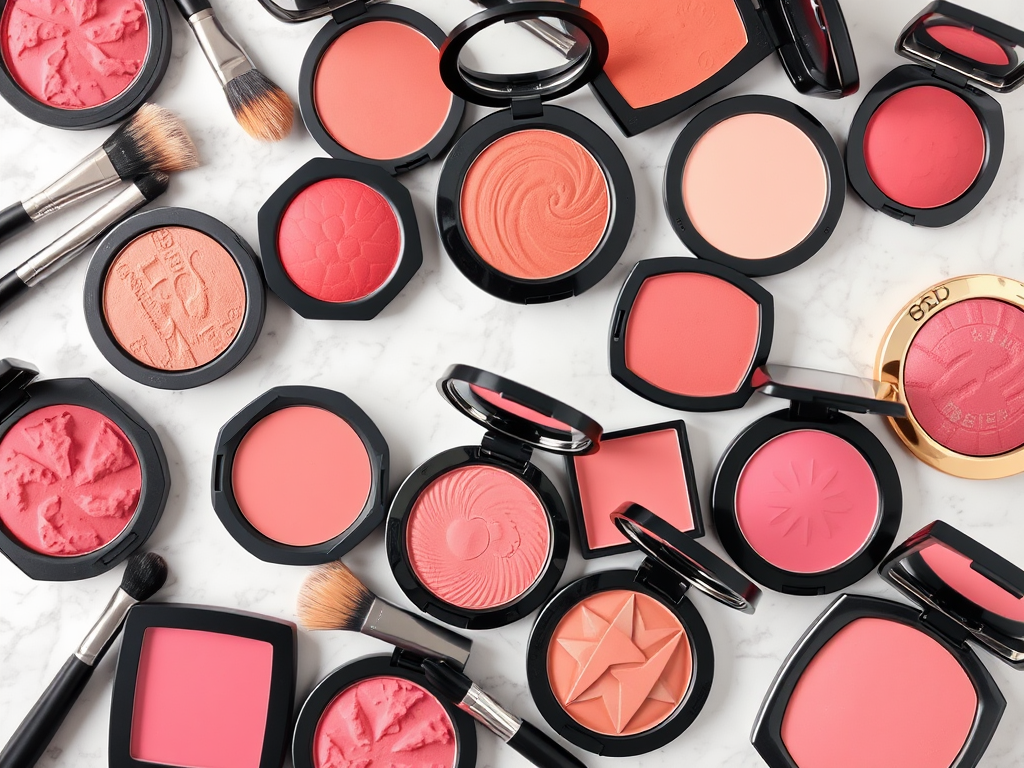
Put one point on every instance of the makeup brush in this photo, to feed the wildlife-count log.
(262, 109)
(154, 139)
(528, 741)
(65, 248)
(143, 577)
(332, 597)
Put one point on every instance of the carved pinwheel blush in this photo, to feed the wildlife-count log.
(339, 240)
(83, 479)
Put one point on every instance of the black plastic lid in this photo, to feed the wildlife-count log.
(965, 581)
(518, 412)
(15, 375)
(1002, 72)
(690, 561)
(306, 10)
(815, 46)
(831, 390)
(502, 90)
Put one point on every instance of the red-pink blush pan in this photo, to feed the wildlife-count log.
(956, 572)
(969, 44)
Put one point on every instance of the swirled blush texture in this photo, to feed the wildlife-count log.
(477, 537)
(339, 240)
(964, 377)
(69, 480)
(74, 54)
(535, 204)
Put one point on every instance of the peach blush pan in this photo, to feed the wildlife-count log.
(173, 298)
(299, 475)
(926, 142)
(535, 203)
(83, 478)
(755, 183)
(648, 465)
(478, 536)
(905, 676)
(203, 688)
(620, 662)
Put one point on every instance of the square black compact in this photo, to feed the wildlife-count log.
(369, 88)
(83, 477)
(535, 203)
(478, 536)
(879, 682)
(200, 687)
(926, 142)
(620, 662)
(300, 475)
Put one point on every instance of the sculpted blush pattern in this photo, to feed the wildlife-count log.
(74, 54)
(339, 240)
(69, 480)
(384, 722)
(964, 377)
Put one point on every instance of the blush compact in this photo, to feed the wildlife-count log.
(174, 298)
(339, 240)
(200, 687)
(806, 500)
(620, 662)
(478, 536)
(651, 466)
(879, 682)
(369, 88)
(77, 65)
(535, 203)
(300, 475)
(755, 183)
(954, 356)
(926, 142)
(380, 710)
(83, 477)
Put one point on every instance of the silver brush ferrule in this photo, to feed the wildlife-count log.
(424, 638)
(225, 55)
(489, 712)
(104, 630)
(73, 242)
(93, 174)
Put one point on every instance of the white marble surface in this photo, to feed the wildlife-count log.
(831, 314)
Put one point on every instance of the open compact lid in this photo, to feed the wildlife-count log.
(586, 56)
(295, 11)
(694, 564)
(15, 375)
(518, 412)
(984, 51)
(941, 568)
(831, 390)
(815, 46)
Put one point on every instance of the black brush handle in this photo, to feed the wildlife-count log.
(190, 8)
(539, 749)
(39, 726)
(11, 287)
(13, 218)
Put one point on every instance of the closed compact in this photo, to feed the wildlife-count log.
(879, 682)
(201, 687)
(926, 142)
(535, 203)
(755, 183)
(621, 662)
(381, 711)
(954, 356)
(300, 475)
(369, 88)
(82, 65)
(478, 536)
(339, 240)
(83, 477)
(806, 500)
(174, 298)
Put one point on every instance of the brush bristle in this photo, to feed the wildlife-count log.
(262, 109)
(154, 139)
(333, 598)
(152, 185)
(145, 574)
